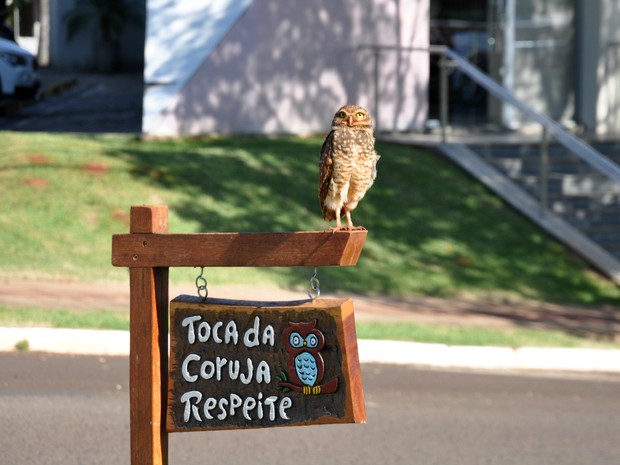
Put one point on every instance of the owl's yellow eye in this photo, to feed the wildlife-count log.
(341, 114)
(360, 115)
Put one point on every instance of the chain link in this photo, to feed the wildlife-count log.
(201, 285)
(315, 289)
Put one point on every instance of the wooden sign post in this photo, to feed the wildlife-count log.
(307, 351)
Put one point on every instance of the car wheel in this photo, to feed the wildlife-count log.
(26, 92)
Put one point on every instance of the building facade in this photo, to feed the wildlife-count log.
(561, 57)
(40, 27)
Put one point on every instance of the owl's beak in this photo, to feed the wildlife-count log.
(305, 343)
(350, 120)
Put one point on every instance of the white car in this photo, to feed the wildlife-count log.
(18, 71)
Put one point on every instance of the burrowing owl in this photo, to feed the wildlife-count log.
(348, 164)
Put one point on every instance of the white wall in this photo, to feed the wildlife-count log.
(285, 67)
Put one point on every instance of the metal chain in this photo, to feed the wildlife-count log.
(315, 289)
(201, 285)
(203, 291)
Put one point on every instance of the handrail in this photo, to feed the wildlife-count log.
(568, 140)
(572, 143)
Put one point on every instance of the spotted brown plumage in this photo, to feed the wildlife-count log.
(348, 164)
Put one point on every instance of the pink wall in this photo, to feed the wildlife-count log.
(286, 66)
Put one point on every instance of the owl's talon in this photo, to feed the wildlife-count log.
(335, 229)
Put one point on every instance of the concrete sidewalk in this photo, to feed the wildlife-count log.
(116, 343)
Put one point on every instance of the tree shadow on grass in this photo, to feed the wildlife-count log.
(432, 229)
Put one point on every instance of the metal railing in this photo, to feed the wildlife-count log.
(450, 60)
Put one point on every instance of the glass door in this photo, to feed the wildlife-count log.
(462, 26)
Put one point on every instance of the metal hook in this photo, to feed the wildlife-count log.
(315, 289)
(201, 285)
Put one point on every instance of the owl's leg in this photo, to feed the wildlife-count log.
(338, 220)
(347, 214)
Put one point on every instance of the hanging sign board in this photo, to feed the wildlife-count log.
(241, 364)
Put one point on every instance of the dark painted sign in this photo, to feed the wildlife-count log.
(241, 364)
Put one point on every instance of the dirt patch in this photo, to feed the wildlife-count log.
(96, 168)
(37, 182)
(599, 323)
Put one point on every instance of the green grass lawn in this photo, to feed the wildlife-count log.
(432, 229)
(62, 318)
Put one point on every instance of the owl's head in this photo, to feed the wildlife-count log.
(303, 336)
(352, 116)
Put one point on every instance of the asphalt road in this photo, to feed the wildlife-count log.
(75, 410)
(96, 103)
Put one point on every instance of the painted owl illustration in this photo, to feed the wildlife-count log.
(348, 165)
(303, 341)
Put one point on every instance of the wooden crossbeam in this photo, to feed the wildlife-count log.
(313, 248)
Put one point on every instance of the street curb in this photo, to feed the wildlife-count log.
(490, 358)
(115, 343)
(66, 341)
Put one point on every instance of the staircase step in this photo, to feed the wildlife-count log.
(532, 165)
(585, 199)
(603, 221)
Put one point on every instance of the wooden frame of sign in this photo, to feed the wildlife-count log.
(149, 251)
